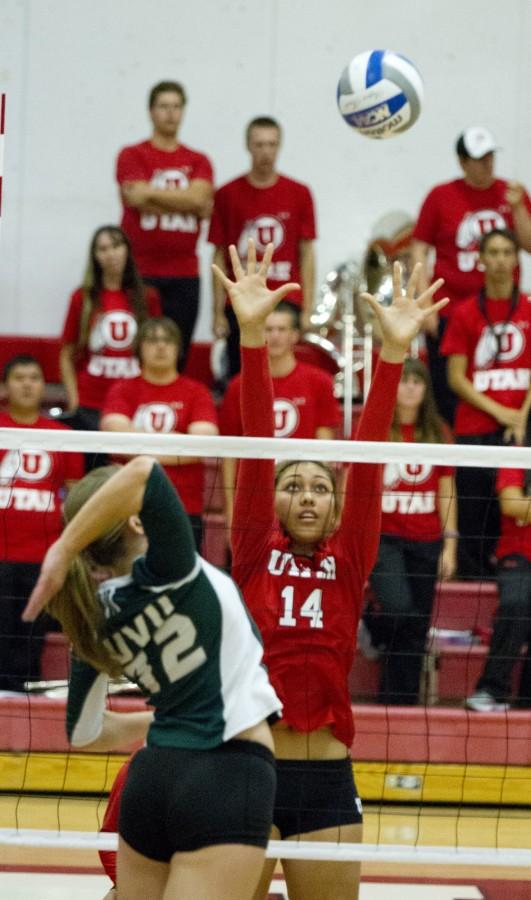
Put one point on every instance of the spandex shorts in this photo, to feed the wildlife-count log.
(315, 794)
(177, 800)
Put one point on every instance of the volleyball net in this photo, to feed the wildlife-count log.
(407, 757)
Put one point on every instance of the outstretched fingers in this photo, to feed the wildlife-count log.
(221, 276)
(266, 260)
(435, 307)
(237, 267)
(425, 299)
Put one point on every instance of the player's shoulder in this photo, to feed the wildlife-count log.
(235, 185)
(288, 181)
(192, 153)
(140, 147)
(312, 372)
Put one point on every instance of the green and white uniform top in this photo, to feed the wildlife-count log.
(183, 634)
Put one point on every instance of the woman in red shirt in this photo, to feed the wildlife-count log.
(101, 325)
(418, 542)
(512, 623)
(301, 559)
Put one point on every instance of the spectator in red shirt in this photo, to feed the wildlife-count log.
(267, 207)
(161, 400)
(512, 624)
(418, 542)
(488, 343)
(451, 222)
(304, 405)
(101, 325)
(32, 486)
(166, 190)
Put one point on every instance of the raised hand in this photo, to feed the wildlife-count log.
(251, 299)
(404, 318)
(52, 576)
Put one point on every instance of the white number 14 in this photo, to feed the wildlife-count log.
(310, 609)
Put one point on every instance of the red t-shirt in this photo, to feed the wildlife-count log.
(167, 408)
(505, 379)
(303, 402)
(410, 507)
(32, 487)
(112, 819)
(307, 608)
(163, 246)
(283, 213)
(109, 355)
(515, 537)
(453, 218)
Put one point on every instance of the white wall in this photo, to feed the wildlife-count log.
(77, 74)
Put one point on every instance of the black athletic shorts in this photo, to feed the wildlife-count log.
(178, 800)
(315, 794)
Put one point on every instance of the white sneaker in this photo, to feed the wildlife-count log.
(482, 701)
(365, 644)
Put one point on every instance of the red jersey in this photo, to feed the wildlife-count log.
(111, 820)
(164, 246)
(282, 214)
(410, 505)
(307, 608)
(453, 218)
(503, 377)
(109, 354)
(167, 408)
(515, 537)
(32, 488)
(303, 402)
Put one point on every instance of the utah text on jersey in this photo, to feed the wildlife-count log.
(266, 230)
(26, 465)
(407, 502)
(162, 179)
(284, 563)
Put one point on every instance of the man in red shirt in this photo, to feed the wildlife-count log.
(160, 400)
(488, 344)
(304, 404)
(451, 222)
(268, 207)
(32, 486)
(166, 189)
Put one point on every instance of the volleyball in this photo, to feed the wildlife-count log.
(380, 94)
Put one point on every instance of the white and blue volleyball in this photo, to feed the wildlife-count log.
(380, 94)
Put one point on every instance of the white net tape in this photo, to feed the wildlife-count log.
(316, 850)
(264, 448)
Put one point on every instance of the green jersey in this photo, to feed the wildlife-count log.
(182, 633)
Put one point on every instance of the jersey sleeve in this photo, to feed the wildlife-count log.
(203, 168)
(328, 409)
(427, 223)
(203, 409)
(456, 338)
(171, 553)
(153, 303)
(361, 519)
(216, 231)
(120, 399)
(87, 698)
(509, 478)
(230, 420)
(308, 227)
(253, 515)
(72, 321)
(129, 166)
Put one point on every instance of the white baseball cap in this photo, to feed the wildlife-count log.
(475, 142)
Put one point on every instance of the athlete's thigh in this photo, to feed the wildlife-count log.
(137, 876)
(268, 870)
(318, 880)
(222, 872)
